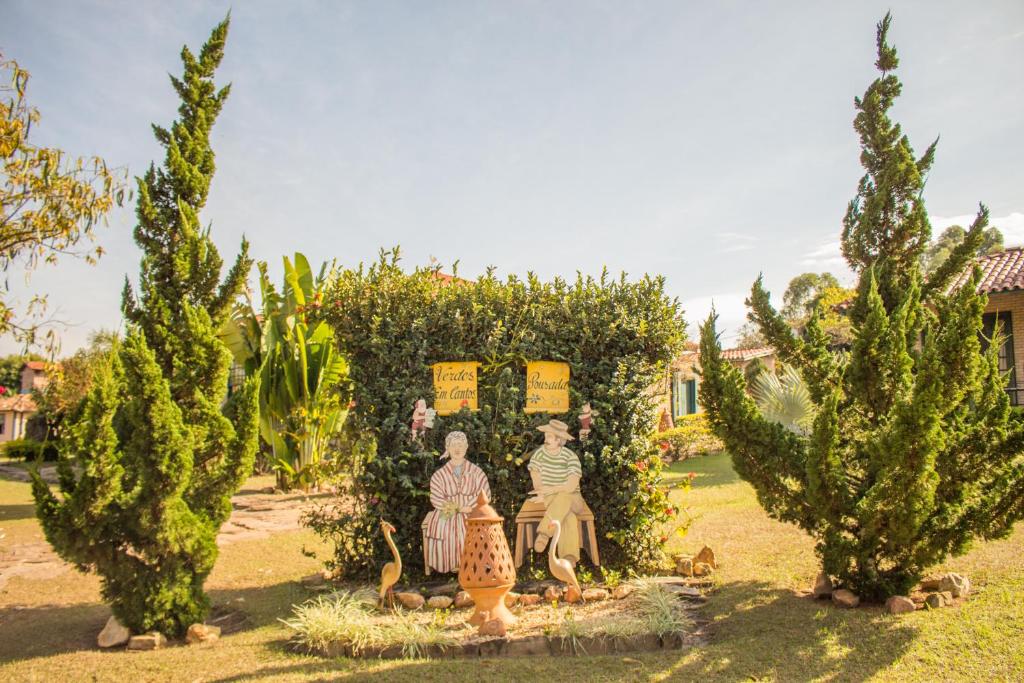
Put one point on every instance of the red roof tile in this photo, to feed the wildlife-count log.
(747, 354)
(35, 364)
(1002, 271)
(18, 403)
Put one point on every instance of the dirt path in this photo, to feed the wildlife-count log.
(254, 515)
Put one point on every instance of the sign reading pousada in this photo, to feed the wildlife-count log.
(455, 387)
(547, 386)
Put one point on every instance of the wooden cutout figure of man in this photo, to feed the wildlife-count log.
(555, 471)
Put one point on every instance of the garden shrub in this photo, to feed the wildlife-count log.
(691, 436)
(29, 449)
(617, 336)
(913, 451)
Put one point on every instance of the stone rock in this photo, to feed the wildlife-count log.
(113, 634)
(899, 604)
(959, 586)
(463, 599)
(531, 645)
(822, 586)
(202, 633)
(845, 598)
(684, 566)
(149, 641)
(439, 602)
(511, 599)
(595, 594)
(552, 593)
(935, 601)
(449, 589)
(410, 600)
(707, 556)
(622, 591)
(572, 595)
(931, 583)
(314, 580)
(530, 599)
(494, 627)
(947, 597)
(701, 569)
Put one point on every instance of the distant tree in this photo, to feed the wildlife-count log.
(914, 450)
(49, 205)
(71, 379)
(801, 296)
(148, 470)
(952, 237)
(833, 310)
(750, 337)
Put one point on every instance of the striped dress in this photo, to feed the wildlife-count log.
(445, 535)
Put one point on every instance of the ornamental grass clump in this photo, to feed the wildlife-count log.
(148, 467)
(661, 610)
(914, 450)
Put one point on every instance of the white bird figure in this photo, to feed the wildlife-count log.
(561, 569)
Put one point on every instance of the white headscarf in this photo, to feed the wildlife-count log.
(452, 438)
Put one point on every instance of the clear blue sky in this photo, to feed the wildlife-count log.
(704, 141)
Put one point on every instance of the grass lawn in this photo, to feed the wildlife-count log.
(761, 630)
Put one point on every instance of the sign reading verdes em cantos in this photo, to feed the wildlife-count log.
(547, 387)
(455, 387)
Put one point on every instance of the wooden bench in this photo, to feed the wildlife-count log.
(526, 531)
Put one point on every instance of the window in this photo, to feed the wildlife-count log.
(1000, 325)
(684, 396)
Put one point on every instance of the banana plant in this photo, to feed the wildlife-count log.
(302, 402)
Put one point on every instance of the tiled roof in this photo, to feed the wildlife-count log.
(747, 354)
(35, 365)
(1002, 271)
(18, 403)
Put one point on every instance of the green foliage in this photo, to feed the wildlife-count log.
(803, 293)
(691, 436)
(29, 450)
(69, 382)
(49, 204)
(148, 467)
(617, 337)
(784, 398)
(914, 450)
(952, 237)
(303, 378)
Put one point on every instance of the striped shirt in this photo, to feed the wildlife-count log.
(555, 469)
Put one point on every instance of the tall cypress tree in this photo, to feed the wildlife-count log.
(915, 450)
(159, 449)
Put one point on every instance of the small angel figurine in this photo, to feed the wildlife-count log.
(422, 418)
(586, 418)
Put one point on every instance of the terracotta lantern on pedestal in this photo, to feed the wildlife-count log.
(486, 571)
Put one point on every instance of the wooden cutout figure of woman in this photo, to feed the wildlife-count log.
(453, 492)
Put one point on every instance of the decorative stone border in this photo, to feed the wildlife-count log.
(527, 646)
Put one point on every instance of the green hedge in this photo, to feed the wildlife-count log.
(30, 449)
(617, 337)
(691, 436)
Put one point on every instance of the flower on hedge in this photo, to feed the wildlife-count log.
(641, 466)
(664, 445)
(691, 475)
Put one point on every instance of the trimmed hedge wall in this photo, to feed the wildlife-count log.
(617, 336)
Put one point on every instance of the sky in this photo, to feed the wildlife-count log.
(705, 142)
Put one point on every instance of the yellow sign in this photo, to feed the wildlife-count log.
(455, 387)
(547, 387)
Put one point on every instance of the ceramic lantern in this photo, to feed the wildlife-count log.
(486, 571)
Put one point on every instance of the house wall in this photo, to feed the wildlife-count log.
(1014, 303)
(14, 425)
(32, 379)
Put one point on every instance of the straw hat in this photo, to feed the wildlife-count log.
(558, 428)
